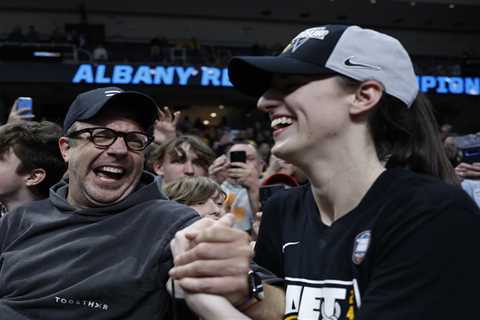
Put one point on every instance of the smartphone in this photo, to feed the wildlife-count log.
(24, 104)
(238, 156)
(267, 191)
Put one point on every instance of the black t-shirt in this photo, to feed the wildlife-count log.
(407, 251)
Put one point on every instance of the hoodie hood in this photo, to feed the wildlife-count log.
(146, 190)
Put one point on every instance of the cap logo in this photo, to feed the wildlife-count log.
(318, 33)
(110, 93)
(351, 62)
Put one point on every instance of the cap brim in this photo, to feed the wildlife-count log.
(252, 75)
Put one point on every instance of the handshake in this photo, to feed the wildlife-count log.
(211, 266)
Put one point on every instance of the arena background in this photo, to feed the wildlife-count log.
(196, 39)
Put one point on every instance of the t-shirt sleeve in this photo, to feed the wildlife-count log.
(426, 262)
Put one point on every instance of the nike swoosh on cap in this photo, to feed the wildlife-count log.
(289, 244)
(349, 62)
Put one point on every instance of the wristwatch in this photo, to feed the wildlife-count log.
(255, 286)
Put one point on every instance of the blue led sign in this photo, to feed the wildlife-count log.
(156, 75)
(452, 85)
(218, 77)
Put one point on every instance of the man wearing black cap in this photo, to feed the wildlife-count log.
(98, 248)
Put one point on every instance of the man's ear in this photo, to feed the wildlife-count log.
(64, 145)
(366, 97)
(35, 177)
(158, 168)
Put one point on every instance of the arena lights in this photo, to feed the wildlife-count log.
(48, 54)
(118, 74)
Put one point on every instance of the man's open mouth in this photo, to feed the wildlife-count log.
(110, 172)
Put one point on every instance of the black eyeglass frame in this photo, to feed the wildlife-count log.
(117, 134)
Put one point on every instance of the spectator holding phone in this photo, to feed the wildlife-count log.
(22, 109)
(240, 168)
(383, 230)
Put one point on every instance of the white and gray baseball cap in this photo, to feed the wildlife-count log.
(360, 54)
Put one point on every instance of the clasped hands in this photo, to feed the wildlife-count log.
(212, 259)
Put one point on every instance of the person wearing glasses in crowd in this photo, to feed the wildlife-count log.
(98, 247)
(376, 234)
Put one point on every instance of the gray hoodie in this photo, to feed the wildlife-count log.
(58, 262)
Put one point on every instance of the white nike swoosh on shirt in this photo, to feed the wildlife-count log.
(289, 244)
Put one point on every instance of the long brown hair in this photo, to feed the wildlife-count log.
(407, 137)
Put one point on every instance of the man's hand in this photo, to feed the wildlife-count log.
(218, 170)
(212, 257)
(468, 171)
(165, 127)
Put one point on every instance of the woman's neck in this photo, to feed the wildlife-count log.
(339, 188)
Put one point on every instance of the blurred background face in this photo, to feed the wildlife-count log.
(212, 208)
(183, 162)
(11, 182)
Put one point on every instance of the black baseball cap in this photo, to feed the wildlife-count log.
(352, 51)
(88, 104)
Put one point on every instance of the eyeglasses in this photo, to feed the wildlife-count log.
(105, 137)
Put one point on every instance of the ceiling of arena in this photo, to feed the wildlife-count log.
(443, 15)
